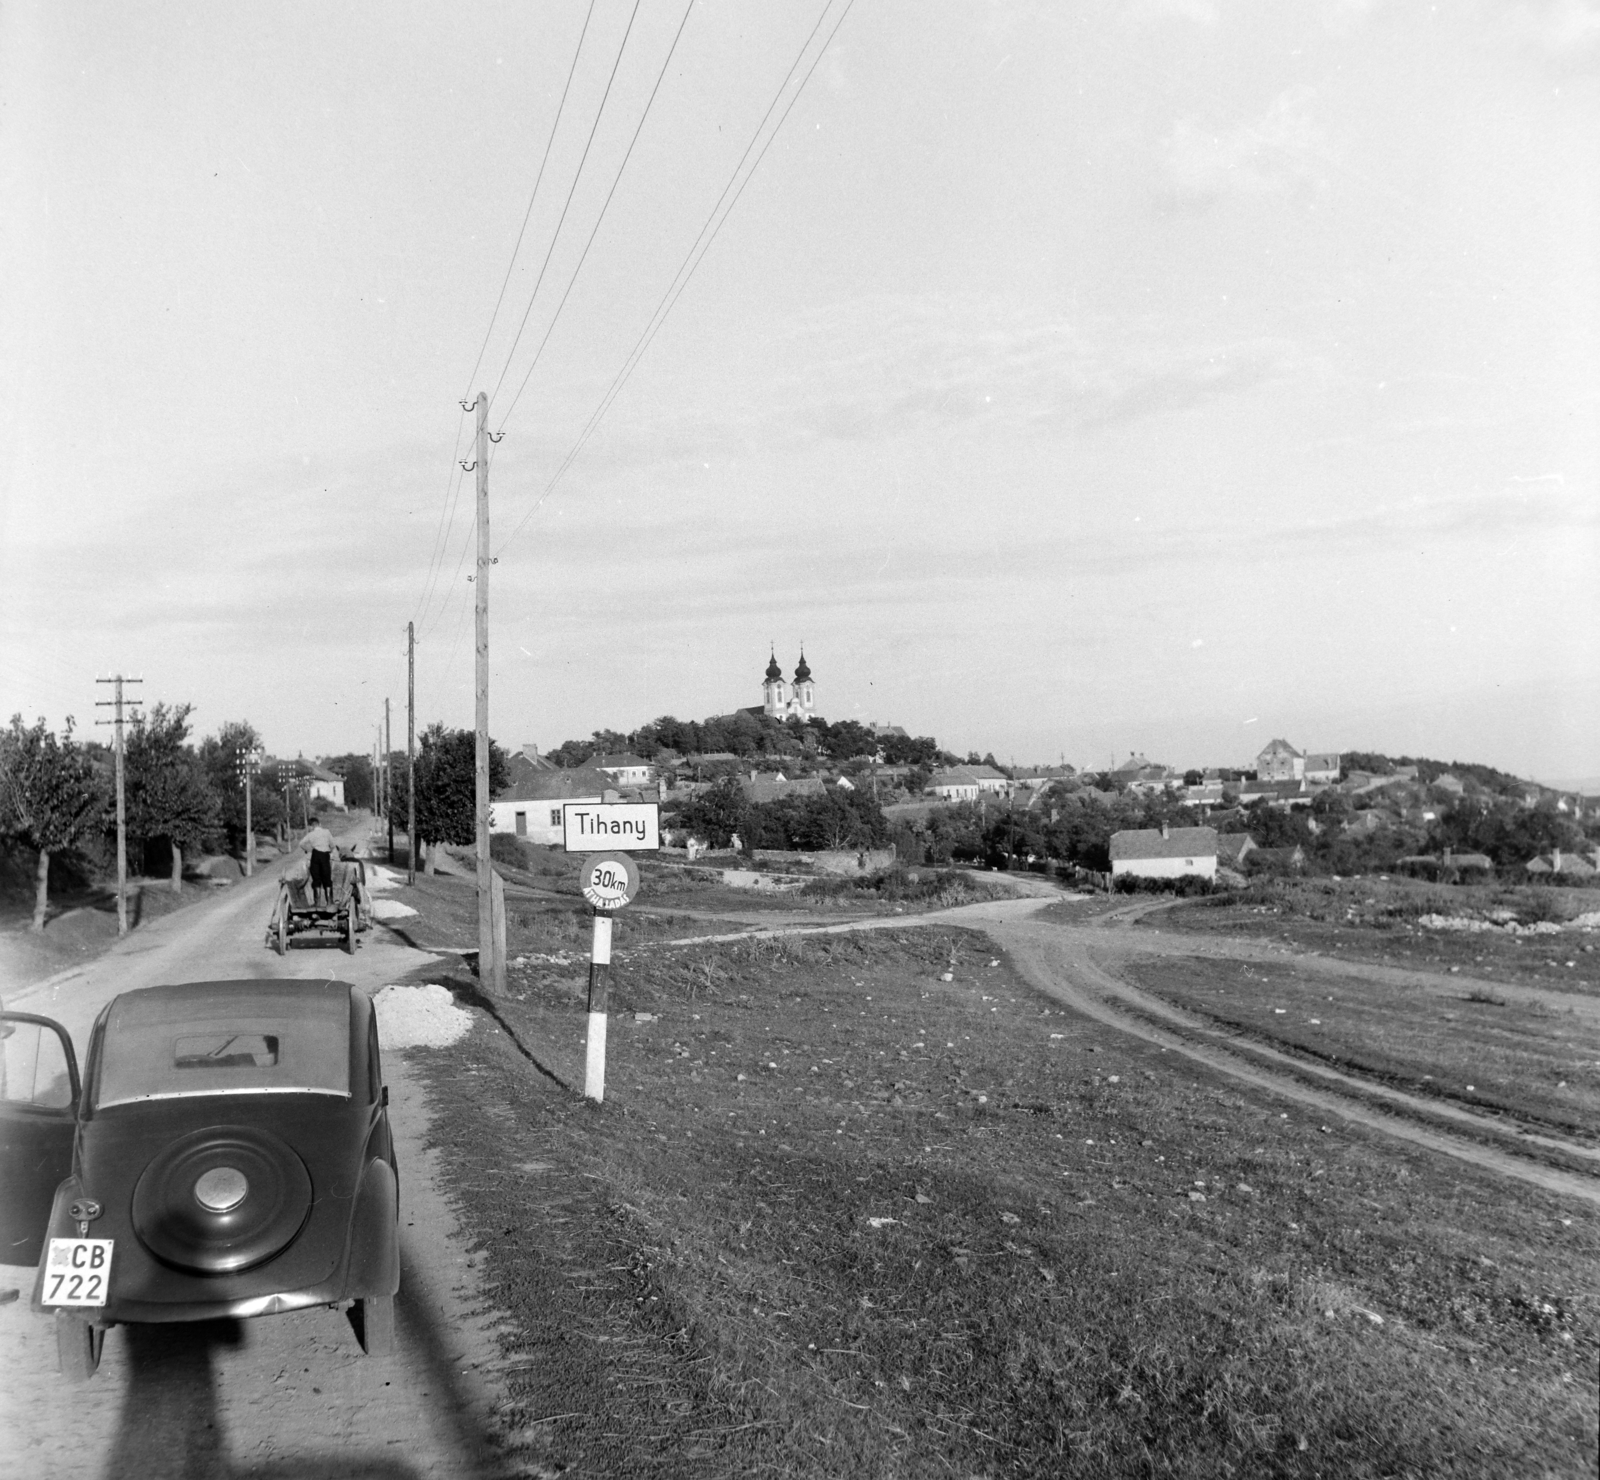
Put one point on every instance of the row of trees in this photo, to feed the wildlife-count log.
(57, 793)
(832, 819)
(753, 736)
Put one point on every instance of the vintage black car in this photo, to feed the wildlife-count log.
(228, 1153)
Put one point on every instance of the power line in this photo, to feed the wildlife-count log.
(447, 515)
(675, 288)
(604, 206)
(527, 215)
(556, 235)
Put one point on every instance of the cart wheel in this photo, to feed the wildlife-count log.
(78, 1343)
(281, 943)
(375, 1314)
(350, 928)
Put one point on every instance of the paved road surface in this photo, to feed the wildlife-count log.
(281, 1396)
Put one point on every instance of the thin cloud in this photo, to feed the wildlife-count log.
(1281, 149)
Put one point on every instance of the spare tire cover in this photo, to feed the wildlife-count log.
(181, 1229)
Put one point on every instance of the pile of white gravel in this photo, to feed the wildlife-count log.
(424, 1016)
(390, 909)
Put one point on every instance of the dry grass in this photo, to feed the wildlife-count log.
(841, 1217)
(1539, 1065)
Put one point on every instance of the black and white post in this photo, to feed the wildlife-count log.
(594, 1062)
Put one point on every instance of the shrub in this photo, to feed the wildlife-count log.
(504, 848)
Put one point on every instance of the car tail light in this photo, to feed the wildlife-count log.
(222, 1199)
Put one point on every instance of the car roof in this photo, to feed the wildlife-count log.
(326, 1001)
(150, 1049)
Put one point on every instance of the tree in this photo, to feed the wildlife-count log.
(715, 814)
(169, 797)
(50, 796)
(222, 756)
(447, 789)
(356, 770)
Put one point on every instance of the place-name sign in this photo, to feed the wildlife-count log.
(597, 827)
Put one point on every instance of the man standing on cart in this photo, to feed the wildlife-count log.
(318, 842)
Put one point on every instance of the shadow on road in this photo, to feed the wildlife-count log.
(171, 1427)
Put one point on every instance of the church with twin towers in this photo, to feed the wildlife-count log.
(782, 700)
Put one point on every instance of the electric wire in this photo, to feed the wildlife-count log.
(567, 205)
(533, 196)
(604, 207)
(447, 514)
(675, 288)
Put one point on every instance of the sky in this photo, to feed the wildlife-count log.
(1068, 379)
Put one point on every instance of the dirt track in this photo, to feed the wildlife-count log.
(1076, 965)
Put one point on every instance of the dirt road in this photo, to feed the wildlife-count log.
(282, 1396)
(1077, 966)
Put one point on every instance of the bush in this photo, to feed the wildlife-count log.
(1185, 886)
(507, 849)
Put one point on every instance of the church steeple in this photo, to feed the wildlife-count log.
(804, 690)
(774, 700)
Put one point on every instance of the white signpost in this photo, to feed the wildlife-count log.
(609, 880)
(597, 827)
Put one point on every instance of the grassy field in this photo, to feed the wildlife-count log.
(1377, 920)
(841, 1216)
(1537, 1064)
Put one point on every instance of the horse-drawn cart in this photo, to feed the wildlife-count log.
(342, 911)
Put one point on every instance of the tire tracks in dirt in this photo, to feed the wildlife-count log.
(1055, 958)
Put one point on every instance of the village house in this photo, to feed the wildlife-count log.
(1560, 862)
(989, 780)
(956, 784)
(531, 806)
(1233, 848)
(626, 769)
(1164, 852)
(1280, 761)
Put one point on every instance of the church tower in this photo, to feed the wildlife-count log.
(773, 699)
(804, 692)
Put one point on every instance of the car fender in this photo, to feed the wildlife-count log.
(375, 1234)
(62, 1225)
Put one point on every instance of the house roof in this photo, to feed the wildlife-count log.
(1322, 760)
(1278, 747)
(773, 787)
(985, 773)
(1133, 763)
(1567, 863)
(1231, 847)
(1179, 842)
(626, 761)
(550, 786)
(954, 776)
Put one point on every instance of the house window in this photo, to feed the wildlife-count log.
(522, 824)
(555, 817)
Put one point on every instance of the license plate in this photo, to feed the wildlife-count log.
(77, 1271)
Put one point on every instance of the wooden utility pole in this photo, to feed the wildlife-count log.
(491, 965)
(411, 753)
(116, 702)
(388, 778)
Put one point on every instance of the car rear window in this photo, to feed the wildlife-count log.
(149, 1056)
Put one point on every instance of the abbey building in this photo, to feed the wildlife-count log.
(782, 700)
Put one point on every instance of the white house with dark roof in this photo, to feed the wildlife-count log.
(626, 769)
(531, 806)
(989, 779)
(1164, 852)
(956, 784)
(1322, 767)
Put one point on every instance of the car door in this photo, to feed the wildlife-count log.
(39, 1093)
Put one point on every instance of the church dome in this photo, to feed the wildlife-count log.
(773, 671)
(802, 674)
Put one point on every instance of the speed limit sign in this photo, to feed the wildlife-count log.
(609, 880)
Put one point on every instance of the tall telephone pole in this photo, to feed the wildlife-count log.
(491, 963)
(411, 753)
(388, 777)
(117, 702)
